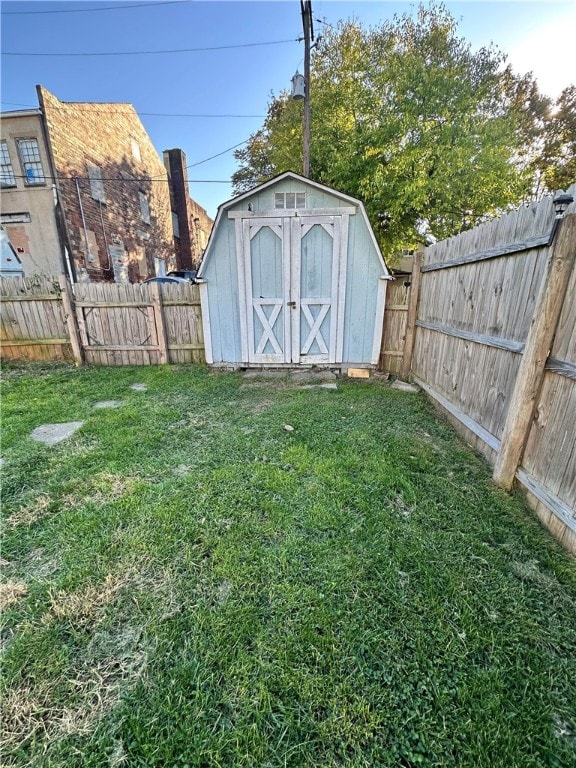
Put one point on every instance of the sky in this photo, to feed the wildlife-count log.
(222, 94)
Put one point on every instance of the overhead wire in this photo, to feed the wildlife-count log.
(142, 180)
(150, 114)
(224, 151)
(146, 114)
(153, 53)
(92, 10)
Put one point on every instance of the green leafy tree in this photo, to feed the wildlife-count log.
(555, 163)
(429, 134)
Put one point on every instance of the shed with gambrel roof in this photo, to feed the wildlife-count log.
(292, 276)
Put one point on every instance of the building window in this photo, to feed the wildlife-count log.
(144, 207)
(15, 218)
(7, 177)
(290, 200)
(159, 267)
(96, 183)
(175, 224)
(136, 154)
(29, 153)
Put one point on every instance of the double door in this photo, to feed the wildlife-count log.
(293, 271)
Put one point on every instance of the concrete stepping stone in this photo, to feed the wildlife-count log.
(328, 385)
(139, 387)
(403, 386)
(50, 434)
(316, 377)
(108, 404)
(264, 374)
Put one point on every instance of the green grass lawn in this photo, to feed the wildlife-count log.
(188, 583)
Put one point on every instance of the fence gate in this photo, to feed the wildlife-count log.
(117, 324)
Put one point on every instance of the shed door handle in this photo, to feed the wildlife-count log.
(292, 304)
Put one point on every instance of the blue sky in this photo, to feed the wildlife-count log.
(537, 36)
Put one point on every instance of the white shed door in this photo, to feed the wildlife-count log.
(291, 277)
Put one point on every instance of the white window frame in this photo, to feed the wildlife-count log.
(136, 152)
(7, 177)
(289, 200)
(31, 162)
(144, 206)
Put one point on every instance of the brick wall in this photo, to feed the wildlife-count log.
(194, 224)
(109, 236)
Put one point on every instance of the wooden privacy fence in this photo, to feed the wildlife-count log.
(495, 347)
(395, 323)
(102, 324)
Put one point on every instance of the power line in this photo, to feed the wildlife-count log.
(144, 180)
(325, 23)
(162, 114)
(151, 53)
(92, 10)
(119, 111)
(219, 153)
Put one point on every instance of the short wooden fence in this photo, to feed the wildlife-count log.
(102, 324)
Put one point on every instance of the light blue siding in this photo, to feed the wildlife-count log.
(221, 275)
(362, 275)
(363, 270)
(264, 200)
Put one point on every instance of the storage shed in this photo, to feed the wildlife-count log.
(292, 276)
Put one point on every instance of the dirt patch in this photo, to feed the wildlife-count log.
(11, 592)
(50, 434)
(102, 488)
(85, 607)
(113, 662)
(27, 515)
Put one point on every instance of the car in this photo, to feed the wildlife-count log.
(165, 279)
(187, 274)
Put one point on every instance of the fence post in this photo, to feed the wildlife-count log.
(540, 338)
(412, 313)
(160, 324)
(70, 317)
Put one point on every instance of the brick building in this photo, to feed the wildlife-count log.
(191, 223)
(30, 211)
(84, 192)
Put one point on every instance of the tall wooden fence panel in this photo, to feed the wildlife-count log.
(549, 464)
(395, 322)
(111, 324)
(479, 298)
(32, 322)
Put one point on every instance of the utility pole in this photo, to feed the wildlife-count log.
(308, 28)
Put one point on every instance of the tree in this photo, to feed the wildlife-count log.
(555, 164)
(405, 116)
